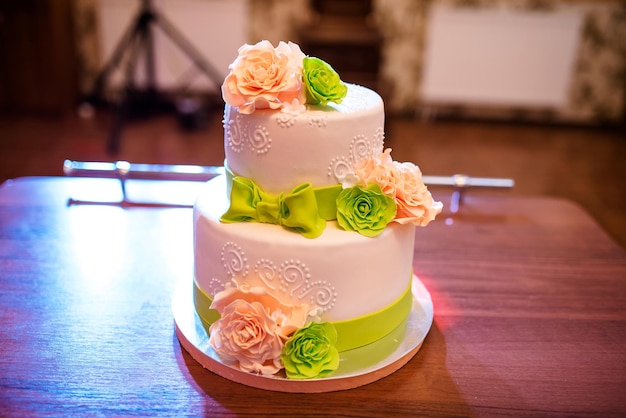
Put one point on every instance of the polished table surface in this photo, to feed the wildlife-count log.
(529, 297)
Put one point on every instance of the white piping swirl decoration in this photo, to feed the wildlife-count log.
(360, 148)
(239, 135)
(322, 295)
(260, 140)
(339, 167)
(234, 136)
(266, 271)
(292, 281)
(215, 286)
(234, 260)
(293, 275)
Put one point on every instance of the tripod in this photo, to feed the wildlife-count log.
(138, 37)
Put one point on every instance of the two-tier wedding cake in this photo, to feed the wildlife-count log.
(304, 249)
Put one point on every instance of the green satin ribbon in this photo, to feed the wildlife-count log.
(352, 333)
(202, 301)
(305, 209)
(366, 329)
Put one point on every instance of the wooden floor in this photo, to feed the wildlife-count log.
(586, 165)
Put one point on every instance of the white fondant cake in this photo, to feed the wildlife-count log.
(304, 249)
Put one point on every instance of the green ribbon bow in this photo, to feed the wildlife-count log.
(295, 210)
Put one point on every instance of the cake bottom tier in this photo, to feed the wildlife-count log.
(356, 282)
(357, 367)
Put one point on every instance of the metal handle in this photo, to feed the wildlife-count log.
(462, 182)
(124, 170)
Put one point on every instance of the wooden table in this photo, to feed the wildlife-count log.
(529, 296)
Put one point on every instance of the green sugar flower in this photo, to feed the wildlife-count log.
(322, 83)
(365, 210)
(311, 352)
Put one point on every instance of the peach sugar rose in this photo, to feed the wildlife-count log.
(403, 182)
(253, 328)
(263, 77)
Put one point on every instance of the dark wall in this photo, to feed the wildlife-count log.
(38, 67)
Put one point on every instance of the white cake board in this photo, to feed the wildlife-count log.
(356, 368)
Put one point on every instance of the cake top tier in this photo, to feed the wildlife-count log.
(280, 150)
(303, 147)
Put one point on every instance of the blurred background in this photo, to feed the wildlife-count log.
(533, 90)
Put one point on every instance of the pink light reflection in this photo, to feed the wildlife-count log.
(444, 310)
